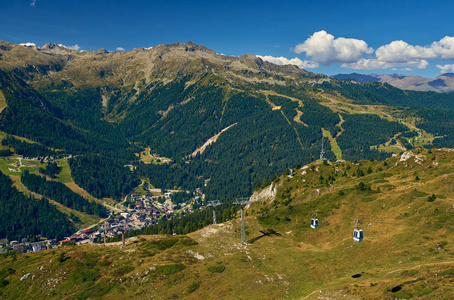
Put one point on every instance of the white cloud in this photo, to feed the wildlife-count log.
(285, 61)
(28, 44)
(400, 51)
(120, 49)
(372, 64)
(323, 48)
(33, 3)
(402, 54)
(75, 47)
(444, 48)
(446, 68)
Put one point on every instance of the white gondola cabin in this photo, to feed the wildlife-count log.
(314, 221)
(358, 233)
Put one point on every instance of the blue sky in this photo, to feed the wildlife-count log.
(406, 37)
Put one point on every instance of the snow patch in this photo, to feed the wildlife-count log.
(28, 44)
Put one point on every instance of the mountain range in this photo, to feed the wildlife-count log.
(178, 99)
(182, 117)
(442, 84)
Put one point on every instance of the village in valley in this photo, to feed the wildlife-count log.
(143, 207)
(137, 211)
(140, 211)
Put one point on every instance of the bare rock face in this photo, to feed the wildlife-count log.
(163, 63)
(418, 158)
(268, 194)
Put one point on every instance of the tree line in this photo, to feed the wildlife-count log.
(22, 216)
(60, 193)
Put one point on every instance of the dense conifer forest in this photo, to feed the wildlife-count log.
(27, 149)
(102, 177)
(62, 194)
(23, 216)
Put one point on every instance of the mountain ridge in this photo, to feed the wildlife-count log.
(172, 99)
(441, 84)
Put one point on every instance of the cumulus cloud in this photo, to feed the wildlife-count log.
(400, 51)
(444, 48)
(75, 47)
(446, 68)
(323, 48)
(302, 64)
(120, 49)
(401, 54)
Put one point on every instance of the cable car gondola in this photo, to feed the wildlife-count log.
(357, 233)
(314, 221)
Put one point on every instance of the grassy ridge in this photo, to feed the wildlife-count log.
(408, 249)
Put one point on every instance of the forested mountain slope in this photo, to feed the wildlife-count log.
(173, 98)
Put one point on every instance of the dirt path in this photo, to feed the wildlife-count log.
(298, 116)
(210, 141)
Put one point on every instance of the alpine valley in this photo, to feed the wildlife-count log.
(97, 143)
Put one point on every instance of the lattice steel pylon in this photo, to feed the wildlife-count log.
(214, 203)
(242, 202)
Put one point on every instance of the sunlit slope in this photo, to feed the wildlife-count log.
(404, 204)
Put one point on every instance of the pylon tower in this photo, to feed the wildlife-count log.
(242, 202)
(322, 152)
(214, 203)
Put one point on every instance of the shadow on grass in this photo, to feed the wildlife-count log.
(268, 232)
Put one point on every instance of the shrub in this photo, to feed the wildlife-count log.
(448, 272)
(122, 271)
(170, 269)
(3, 283)
(217, 269)
(162, 244)
(187, 241)
(62, 258)
(193, 287)
(431, 198)
(363, 187)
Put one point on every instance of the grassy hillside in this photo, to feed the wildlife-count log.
(404, 204)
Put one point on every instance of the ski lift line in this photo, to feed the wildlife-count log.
(394, 223)
(314, 222)
(370, 218)
(401, 224)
